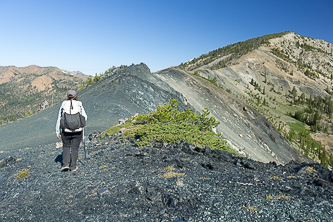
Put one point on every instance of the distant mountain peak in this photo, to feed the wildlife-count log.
(73, 72)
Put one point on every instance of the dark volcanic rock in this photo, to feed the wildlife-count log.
(4, 162)
(177, 182)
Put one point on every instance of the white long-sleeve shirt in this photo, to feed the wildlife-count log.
(65, 107)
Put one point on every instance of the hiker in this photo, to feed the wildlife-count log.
(70, 138)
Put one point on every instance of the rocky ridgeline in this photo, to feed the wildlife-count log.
(119, 181)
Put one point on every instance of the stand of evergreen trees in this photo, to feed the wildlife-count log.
(317, 114)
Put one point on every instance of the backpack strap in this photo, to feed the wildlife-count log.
(70, 108)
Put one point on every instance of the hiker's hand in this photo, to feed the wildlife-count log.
(58, 136)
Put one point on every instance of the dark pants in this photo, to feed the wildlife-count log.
(70, 153)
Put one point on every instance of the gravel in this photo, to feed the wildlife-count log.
(119, 181)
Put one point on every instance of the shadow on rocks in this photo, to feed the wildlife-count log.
(58, 159)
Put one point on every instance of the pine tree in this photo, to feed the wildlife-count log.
(294, 92)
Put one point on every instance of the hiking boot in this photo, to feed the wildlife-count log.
(75, 169)
(64, 168)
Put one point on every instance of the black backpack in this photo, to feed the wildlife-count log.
(72, 121)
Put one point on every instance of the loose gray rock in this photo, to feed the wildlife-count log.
(123, 182)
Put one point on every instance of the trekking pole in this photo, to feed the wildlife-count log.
(84, 146)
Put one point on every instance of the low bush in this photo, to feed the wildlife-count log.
(169, 125)
(22, 174)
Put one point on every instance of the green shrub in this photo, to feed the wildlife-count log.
(169, 114)
(196, 73)
(22, 174)
(169, 125)
(116, 129)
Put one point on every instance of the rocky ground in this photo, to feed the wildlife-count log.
(118, 181)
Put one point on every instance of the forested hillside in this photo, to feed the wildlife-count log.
(27, 90)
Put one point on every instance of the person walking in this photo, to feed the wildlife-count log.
(71, 139)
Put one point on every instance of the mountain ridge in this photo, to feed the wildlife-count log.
(240, 78)
(27, 90)
(121, 94)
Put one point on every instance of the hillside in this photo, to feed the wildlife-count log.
(271, 95)
(286, 77)
(246, 130)
(119, 95)
(125, 91)
(27, 90)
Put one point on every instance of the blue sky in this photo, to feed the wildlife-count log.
(92, 36)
